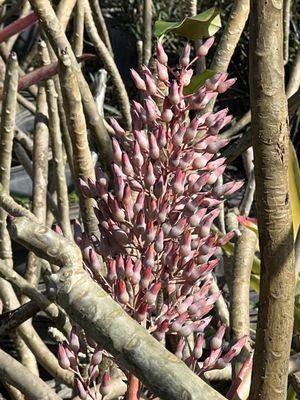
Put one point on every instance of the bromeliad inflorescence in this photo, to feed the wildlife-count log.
(155, 225)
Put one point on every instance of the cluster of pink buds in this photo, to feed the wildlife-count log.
(156, 226)
(88, 388)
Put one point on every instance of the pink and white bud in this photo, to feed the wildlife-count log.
(185, 247)
(128, 268)
(222, 87)
(136, 276)
(162, 136)
(85, 189)
(161, 54)
(150, 85)
(93, 372)
(149, 256)
(122, 294)
(215, 175)
(184, 59)
(178, 183)
(167, 115)
(74, 340)
(126, 165)
(198, 349)
(159, 241)
(141, 312)
(138, 81)
(119, 131)
(105, 386)
(178, 229)
(139, 203)
(186, 77)
(146, 277)
(216, 341)
(159, 334)
(97, 356)
(149, 175)
(81, 389)
(151, 294)
(180, 348)
(177, 138)
(153, 147)
(120, 270)
(111, 273)
(202, 160)
(203, 50)
(162, 73)
(191, 131)
(63, 359)
(174, 96)
(117, 152)
(142, 140)
(235, 349)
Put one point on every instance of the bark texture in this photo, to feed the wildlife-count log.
(270, 144)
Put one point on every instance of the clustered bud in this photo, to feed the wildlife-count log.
(156, 234)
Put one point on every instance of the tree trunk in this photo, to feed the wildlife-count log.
(270, 144)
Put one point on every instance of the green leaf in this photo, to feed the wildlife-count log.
(294, 187)
(198, 81)
(205, 24)
(254, 282)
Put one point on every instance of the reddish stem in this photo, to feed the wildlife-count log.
(133, 388)
(17, 26)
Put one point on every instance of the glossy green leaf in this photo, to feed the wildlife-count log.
(202, 25)
(198, 81)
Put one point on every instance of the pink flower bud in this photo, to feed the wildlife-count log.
(141, 312)
(117, 212)
(97, 356)
(150, 232)
(122, 293)
(136, 276)
(177, 324)
(216, 341)
(186, 77)
(174, 96)
(146, 277)
(159, 334)
(235, 349)
(175, 159)
(151, 294)
(162, 136)
(126, 165)
(178, 229)
(128, 268)
(138, 81)
(116, 151)
(180, 348)
(120, 267)
(185, 247)
(63, 359)
(111, 275)
(149, 256)
(159, 241)
(177, 138)
(150, 111)
(162, 72)
(93, 372)
(215, 174)
(185, 56)
(178, 183)
(81, 389)
(204, 229)
(161, 54)
(158, 188)
(119, 131)
(225, 239)
(119, 235)
(137, 157)
(150, 85)
(85, 189)
(167, 115)
(139, 203)
(204, 48)
(153, 147)
(142, 140)
(105, 384)
(198, 349)
(149, 175)
(191, 130)
(201, 161)
(74, 340)
(226, 85)
(182, 308)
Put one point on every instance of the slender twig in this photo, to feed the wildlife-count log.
(12, 40)
(244, 251)
(26, 288)
(229, 39)
(147, 31)
(57, 152)
(24, 139)
(78, 28)
(64, 12)
(100, 24)
(26, 103)
(17, 375)
(83, 165)
(286, 29)
(10, 320)
(248, 198)
(27, 165)
(108, 62)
